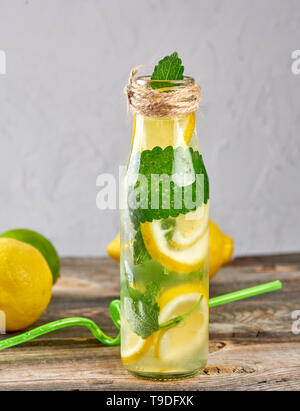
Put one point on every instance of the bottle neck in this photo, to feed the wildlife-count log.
(149, 132)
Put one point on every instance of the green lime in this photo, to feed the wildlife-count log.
(41, 243)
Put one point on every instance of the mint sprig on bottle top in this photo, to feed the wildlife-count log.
(168, 68)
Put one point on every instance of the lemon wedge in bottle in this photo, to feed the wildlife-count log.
(134, 347)
(178, 246)
(191, 334)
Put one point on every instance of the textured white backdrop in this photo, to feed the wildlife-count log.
(63, 115)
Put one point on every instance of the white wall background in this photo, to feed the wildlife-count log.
(63, 114)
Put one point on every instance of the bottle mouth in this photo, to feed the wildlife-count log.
(156, 84)
(162, 98)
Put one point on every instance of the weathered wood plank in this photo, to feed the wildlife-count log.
(236, 365)
(252, 346)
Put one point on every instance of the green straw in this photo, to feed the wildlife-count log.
(245, 293)
(114, 309)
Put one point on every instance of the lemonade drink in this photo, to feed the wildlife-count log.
(164, 250)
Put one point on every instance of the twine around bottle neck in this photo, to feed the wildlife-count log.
(179, 100)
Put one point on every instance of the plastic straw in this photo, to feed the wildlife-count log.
(245, 293)
(114, 309)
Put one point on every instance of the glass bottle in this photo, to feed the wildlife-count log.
(164, 248)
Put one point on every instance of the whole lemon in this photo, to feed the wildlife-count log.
(25, 283)
(40, 242)
(220, 249)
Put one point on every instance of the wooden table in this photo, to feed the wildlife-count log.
(252, 346)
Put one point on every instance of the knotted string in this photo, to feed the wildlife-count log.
(181, 98)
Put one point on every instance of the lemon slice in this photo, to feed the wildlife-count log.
(133, 347)
(189, 128)
(181, 260)
(190, 227)
(189, 336)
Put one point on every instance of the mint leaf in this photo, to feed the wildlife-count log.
(142, 310)
(167, 223)
(169, 234)
(140, 253)
(169, 68)
(166, 162)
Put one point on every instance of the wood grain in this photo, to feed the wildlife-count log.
(251, 343)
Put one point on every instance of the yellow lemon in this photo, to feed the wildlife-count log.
(25, 283)
(40, 242)
(189, 336)
(190, 227)
(184, 260)
(189, 128)
(220, 248)
(113, 248)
